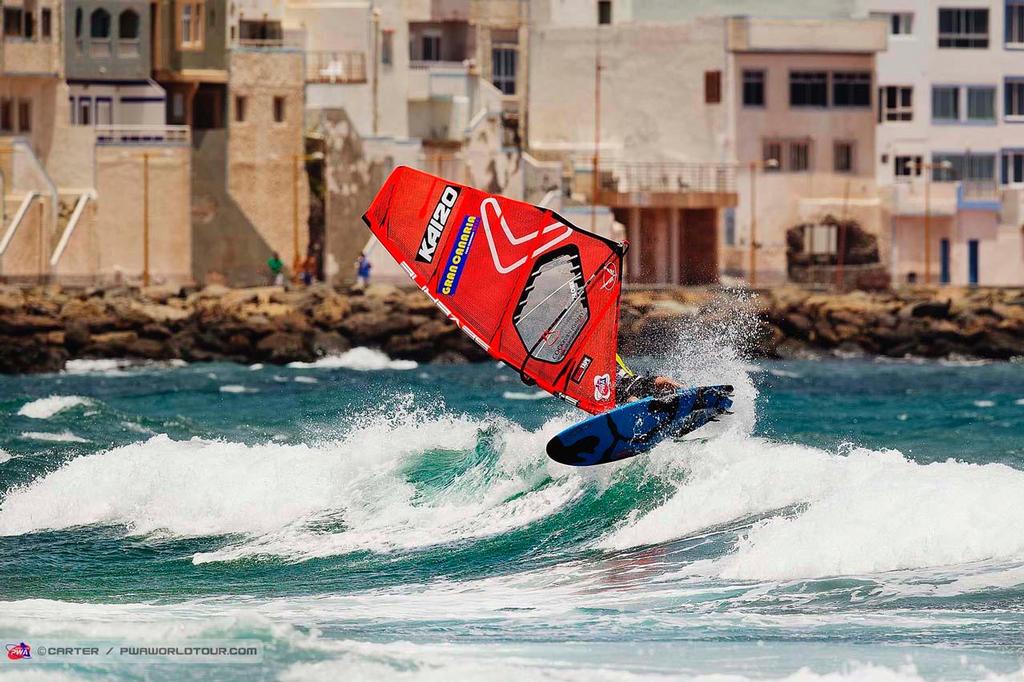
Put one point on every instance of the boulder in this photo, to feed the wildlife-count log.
(364, 328)
(329, 343)
(330, 311)
(935, 309)
(19, 324)
(282, 347)
(21, 354)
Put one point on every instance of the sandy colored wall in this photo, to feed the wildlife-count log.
(262, 153)
(80, 261)
(119, 216)
(652, 91)
(27, 255)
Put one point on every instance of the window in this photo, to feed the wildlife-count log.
(99, 24)
(900, 23)
(78, 22)
(966, 167)
(712, 87)
(178, 108)
(981, 104)
(799, 157)
(279, 109)
(963, 28)
(128, 25)
(842, 153)
(604, 11)
(7, 115)
(13, 22)
(1013, 167)
(906, 166)
(84, 111)
(431, 48)
(895, 103)
(104, 111)
(753, 88)
(24, 116)
(1015, 22)
(239, 108)
(46, 21)
(851, 89)
(1014, 98)
(729, 218)
(503, 69)
(387, 47)
(945, 103)
(808, 89)
(190, 24)
(771, 156)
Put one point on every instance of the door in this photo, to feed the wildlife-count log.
(944, 259)
(972, 261)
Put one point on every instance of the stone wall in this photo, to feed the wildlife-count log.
(41, 328)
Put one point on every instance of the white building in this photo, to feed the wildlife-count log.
(951, 110)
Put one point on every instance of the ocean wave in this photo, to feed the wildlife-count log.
(117, 367)
(834, 514)
(361, 359)
(524, 395)
(62, 437)
(237, 388)
(5, 457)
(44, 408)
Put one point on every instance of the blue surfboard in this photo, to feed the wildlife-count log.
(636, 427)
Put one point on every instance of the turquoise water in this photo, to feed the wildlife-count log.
(364, 519)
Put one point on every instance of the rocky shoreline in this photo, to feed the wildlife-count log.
(42, 328)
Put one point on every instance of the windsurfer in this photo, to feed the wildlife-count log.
(630, 386)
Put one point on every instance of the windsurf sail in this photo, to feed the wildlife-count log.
(531, 288)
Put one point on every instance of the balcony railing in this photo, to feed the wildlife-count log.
(335, 67)
(261, 43)
(668, 177)
(143, 135)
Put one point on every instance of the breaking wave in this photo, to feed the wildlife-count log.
(361, 359)
(44, 408)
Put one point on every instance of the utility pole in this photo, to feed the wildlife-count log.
(296, 263)
(597, 128)
(145, 219)
(375, 20)
(841, 237)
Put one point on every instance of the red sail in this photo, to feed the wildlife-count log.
(532, 289)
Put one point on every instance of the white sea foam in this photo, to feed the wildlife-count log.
(256, 367)
(280, 496)
(832, 514)
(362, 359)
(62, 437)
(984, 403)
(306, 380)
(784, 374)
(112, 367)
(1019, 401)
(44, 408)
(525, 395)
(5, 457)
(237, 388)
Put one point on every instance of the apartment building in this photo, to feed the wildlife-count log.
(94, 185)
(435, 85)
(950, 140)
(718, 136)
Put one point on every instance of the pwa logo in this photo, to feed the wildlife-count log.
(20, 651)
(602, 387)
(438, 220)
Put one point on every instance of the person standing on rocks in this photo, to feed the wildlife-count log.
(276, 266)
(363, 268)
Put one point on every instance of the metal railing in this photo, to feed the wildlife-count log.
(335, 67)
(667, 177)
(980, 190)
(260, 43)
(143, 135)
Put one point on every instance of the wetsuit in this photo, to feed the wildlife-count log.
(630, 386)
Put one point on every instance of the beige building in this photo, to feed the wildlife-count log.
(679, 137)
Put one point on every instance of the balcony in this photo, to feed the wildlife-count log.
(29, 57)
(853, 36)
(335, 67)
(143, 135)
(660, 184)
(909, 198)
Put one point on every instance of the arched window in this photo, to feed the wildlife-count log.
(78, 22)
(99, 23)
(128, 25)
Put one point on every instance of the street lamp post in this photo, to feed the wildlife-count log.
(754, 166)
(145, 219)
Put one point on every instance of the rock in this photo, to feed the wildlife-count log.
(434, 330)
(22, 323)
(150, 349)
(824, 335)
(76, 335)
(450, 357)
(110, 344)
(405, 347)
(417, 303)
(331, 311)
(160, 293)
(21, 354)
(934, 309)
(999, 345)
(11, 298)
(282, 347)
(157, 312)
(796, 324)
(155, 331)
(330, 343)
(364, 328)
